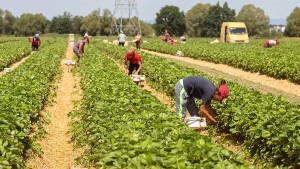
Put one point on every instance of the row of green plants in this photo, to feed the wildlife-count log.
(23, 94)
(14, 49)
(12, 52)
(5, 39)
(281, 62)
(122, 126)
(268, 125)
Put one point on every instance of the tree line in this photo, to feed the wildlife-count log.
(202, 20)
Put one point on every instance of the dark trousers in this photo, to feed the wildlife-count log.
(133, 66)
(138, 45)
(35, 47)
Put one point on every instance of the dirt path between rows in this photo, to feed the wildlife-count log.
(171, 104)
(256, 81)
(57, 145)
(14, 65)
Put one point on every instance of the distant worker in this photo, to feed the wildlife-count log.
(87, 36)
(183, 39)
(78, 48)
(135, 62)
(35, 42)
(172, 41)
(138, 41)
(122, 39)
(198, 87)
(270, 43)
(167, 36)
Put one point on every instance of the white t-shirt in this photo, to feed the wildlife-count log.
(138, 37)
(122, 38)
(272, 42)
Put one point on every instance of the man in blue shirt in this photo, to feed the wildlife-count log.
(198, 87)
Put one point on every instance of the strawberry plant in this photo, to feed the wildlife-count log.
(269, 125)
(123, 126)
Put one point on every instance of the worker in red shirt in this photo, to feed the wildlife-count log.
(35, 42)
(270, 43)
(172, 41)
(135, 62)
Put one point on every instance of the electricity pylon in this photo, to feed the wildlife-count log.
(125, 18)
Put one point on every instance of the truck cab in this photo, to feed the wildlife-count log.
(234, 32)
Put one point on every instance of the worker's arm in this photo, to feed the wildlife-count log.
(29, 39)
(81, 48)
(203, 110)
(40, 42)
(140, 67)
(211, 110)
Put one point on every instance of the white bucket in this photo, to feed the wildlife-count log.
(193, 122)
(179, 54)
(69, 62)
(203, 122)
(196, 122)
(138, 78)
(6, 70)
(142, 77)
(71, 37)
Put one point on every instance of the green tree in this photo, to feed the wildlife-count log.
(228, 15)
(105, 21)
(293, 24)
(216, 16)
(29, 24)
(6, 22)
(1, 21)
(255, 19)
(147, 29)
(195, 18)
(171, 19)
(92, 23)
(76, 24)
(62, 24)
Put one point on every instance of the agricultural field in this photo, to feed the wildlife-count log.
(282, 62)
(121, 125)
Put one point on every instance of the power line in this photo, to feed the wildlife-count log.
(125, 17)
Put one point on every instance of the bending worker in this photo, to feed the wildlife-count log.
(198, 87)
(35, 42)
(78, 48)
(270, 43)
(135, 62)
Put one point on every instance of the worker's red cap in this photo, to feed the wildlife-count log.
(129, 53)
(224, 91)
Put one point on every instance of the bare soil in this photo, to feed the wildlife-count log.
(259, 82)
(57, 145)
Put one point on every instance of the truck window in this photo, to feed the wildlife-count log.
(238, 31)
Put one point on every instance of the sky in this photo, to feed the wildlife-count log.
(146, 9)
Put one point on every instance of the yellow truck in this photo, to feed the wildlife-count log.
(234, 32)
